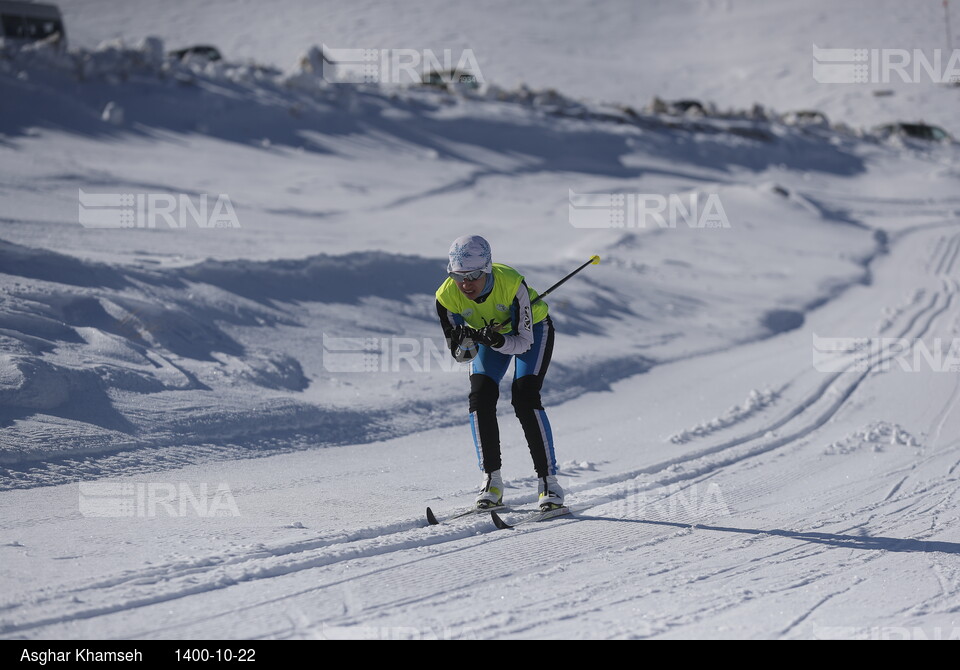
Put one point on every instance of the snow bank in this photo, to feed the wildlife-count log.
(109, 82)
(756, 402)
(877, 436)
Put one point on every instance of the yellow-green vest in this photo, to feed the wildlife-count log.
(496, 306)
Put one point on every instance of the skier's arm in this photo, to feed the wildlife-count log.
(448, 320)
(521, 339)
(455, 332)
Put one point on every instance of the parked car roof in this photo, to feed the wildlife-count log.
(205, 50)
(919, 131)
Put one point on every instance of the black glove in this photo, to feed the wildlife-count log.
(458, 333)
(462, 346)
(489, 336)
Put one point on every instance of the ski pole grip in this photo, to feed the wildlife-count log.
(594, 260)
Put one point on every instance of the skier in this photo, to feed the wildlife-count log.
(487, 317)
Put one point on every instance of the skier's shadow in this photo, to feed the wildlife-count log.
(833, 539)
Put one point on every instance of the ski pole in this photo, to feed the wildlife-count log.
(594, 260)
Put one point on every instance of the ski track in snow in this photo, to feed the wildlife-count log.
(386, 565)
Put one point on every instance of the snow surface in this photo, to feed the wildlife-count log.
(233, 432)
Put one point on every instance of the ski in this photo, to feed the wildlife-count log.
(433, 520)
(534, 517)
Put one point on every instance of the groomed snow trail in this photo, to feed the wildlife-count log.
(782, 525)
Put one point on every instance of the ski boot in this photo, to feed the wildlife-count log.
(491, 495)
(551, 495)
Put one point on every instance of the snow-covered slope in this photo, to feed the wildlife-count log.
(146, 316)
(733, 53)
(288, 367)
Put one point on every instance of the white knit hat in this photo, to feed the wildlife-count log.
(469, 253)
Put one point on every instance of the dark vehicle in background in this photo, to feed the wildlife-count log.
(202, 50)
(444, 79)
(25, 22)
(691, 107)
(805, 117)
(678, 107)
(915, 131)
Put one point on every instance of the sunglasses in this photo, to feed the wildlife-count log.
(466, 276)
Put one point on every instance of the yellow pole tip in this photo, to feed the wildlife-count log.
(595, 260)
